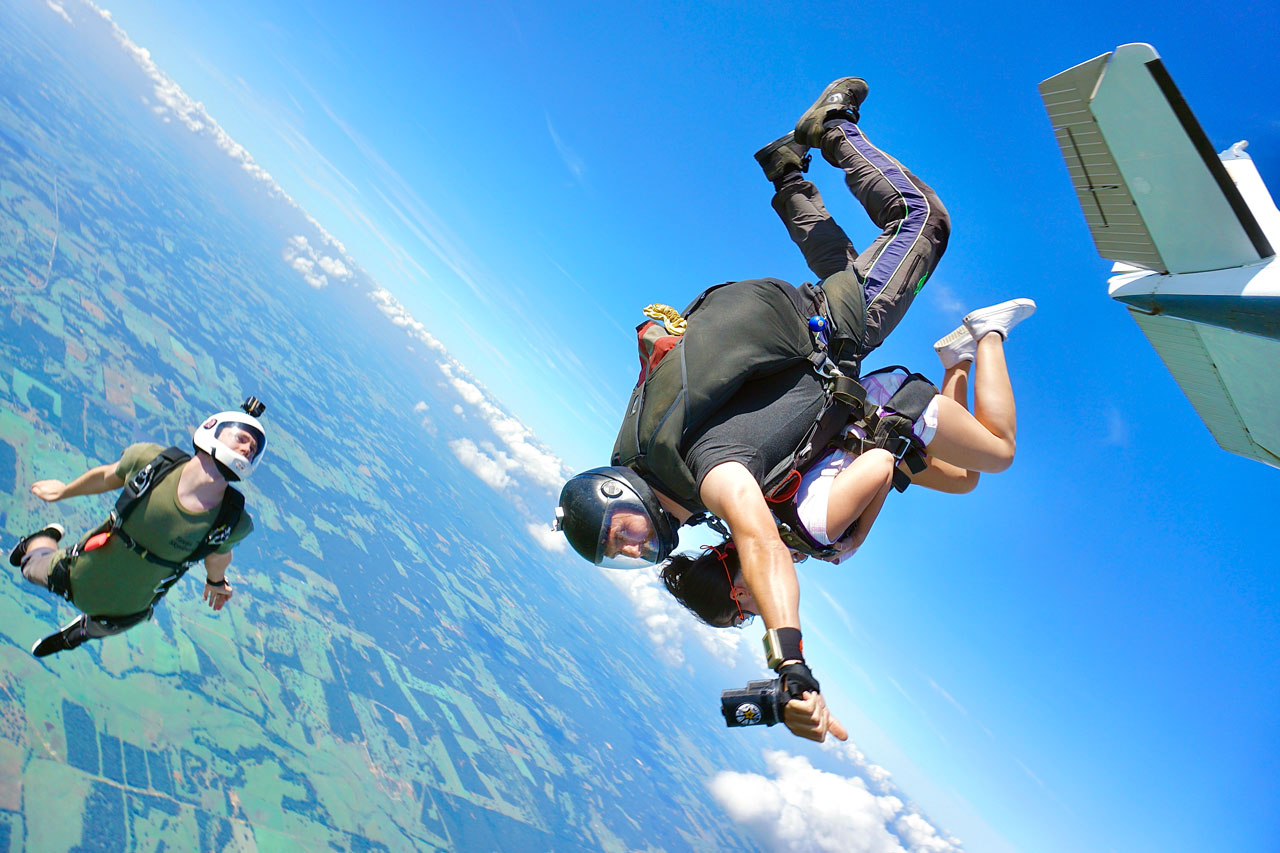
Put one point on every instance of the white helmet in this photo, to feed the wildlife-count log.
(235, 440)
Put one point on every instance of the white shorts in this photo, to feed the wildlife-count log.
(815, 484)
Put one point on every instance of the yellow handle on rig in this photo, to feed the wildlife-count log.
(670, 317)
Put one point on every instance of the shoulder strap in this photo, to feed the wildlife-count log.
(228, 517)
(138, 486)
(142, 482)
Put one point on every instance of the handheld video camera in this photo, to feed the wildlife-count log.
(253, 407)
(759, 703)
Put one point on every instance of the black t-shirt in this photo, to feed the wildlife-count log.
(760, 426)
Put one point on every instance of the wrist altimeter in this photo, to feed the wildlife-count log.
(782, 645)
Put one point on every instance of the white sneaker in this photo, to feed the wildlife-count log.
(998, 318)
(956, 347)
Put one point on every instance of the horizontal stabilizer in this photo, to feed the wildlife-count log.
(1154, 193)
(1226, 375)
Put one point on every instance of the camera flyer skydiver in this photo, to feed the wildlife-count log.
(719, 423)
(175, 508)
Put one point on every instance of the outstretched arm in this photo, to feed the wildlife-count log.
(216, 589)
(92, 482)
(731, 493)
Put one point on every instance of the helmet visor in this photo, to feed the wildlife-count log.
(242, 438)
(627, 537)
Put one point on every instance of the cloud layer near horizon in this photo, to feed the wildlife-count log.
(171, 102)
(799, 808)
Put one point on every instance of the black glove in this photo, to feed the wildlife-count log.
(796, 679)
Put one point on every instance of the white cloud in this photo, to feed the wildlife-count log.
(668, 625)
(468, 392)
(59, 11)
(532, 458)
(299, 254)
(801, 808)
(491, 467)
(945, 299)
(546, 537)
(948, 697)
(457, 409)
(400, 316)
(921, 837)
(334, 267)
(1117, 428)
(422, 410)
(323, 259)
(1027, 770)
(850, 753)
(571, 160)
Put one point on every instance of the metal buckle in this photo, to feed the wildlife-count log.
(905, 448)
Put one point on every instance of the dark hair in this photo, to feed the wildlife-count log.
(702, 585)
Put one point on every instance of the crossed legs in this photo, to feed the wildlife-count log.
(915, 227)
(985, 440)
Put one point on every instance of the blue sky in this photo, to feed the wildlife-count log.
(1083, 654)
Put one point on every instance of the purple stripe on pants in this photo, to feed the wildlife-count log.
(892, 255)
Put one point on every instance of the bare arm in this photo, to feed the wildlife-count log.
(731, 493)
(92, 482)
(216, 589)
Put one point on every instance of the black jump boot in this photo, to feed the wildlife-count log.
(841, 99)
(782, 156)
(72, 634)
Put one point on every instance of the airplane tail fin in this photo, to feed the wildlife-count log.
(1153, 191)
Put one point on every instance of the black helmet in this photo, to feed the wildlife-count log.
(612, 518)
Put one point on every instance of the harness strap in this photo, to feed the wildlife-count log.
(794, 535)
(786, 490)
(142, 482)
(130, 543)
(135, 490)
(849, 391)
(123, 623)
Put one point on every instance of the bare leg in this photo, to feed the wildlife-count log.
(943, 476)
(986, 440)
(993, 393)
(955, 382)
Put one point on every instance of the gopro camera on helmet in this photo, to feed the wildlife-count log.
(253, 407)
(759, 703)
